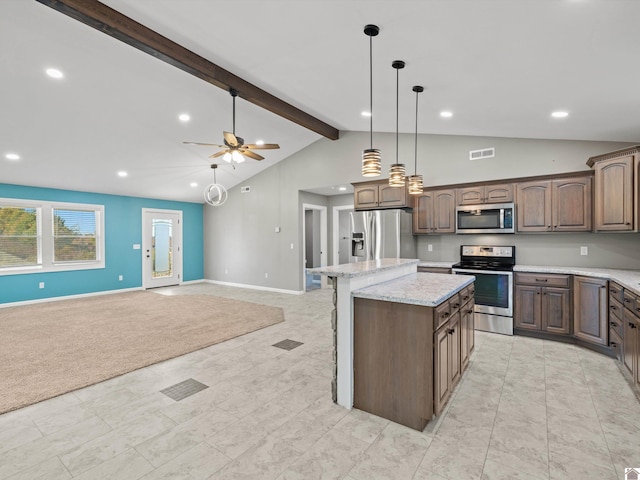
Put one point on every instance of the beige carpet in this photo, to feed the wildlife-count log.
(52, 348)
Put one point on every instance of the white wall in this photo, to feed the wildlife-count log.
(239, 236)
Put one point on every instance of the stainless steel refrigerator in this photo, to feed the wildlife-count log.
(377, 234)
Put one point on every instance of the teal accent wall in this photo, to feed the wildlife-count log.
(123, 229)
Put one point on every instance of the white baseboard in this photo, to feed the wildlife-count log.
(68, 297)
(256, 287)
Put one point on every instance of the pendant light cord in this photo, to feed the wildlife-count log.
(371, 90)
(415, 162)
(397, 109)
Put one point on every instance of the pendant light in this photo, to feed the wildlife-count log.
(215, 194)
(371, 159)
(415, 180)
(397, 172)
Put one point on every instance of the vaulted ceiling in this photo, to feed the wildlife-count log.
(500, 66)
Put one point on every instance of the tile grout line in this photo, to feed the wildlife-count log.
(604, 436)
(546, 416)
(497, 407)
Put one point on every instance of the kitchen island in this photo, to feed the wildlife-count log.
(391, 332)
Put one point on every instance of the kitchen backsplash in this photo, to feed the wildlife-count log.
(605, 250)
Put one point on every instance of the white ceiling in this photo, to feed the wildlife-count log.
(501, 66)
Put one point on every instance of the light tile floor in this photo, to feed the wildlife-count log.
(525, 408)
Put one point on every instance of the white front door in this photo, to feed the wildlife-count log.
(161, 248)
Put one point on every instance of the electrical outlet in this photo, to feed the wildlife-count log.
(266, 275)
(226, 272)
(430, 248)
(584, 250)
(120, 278)
(292, 246)
(41, 285)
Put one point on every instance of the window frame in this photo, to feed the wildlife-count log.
(45, 242)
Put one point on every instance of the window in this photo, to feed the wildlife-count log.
(74, 235)
(45, 237)
(19, 234)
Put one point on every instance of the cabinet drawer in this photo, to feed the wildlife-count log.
(616, 325)
(615, 342)
(543, 280)
(466, 294)
(615, 291)
(454, 303)
(442, 314)
(615, 309)
(630, 300)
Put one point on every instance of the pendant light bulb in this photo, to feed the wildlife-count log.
(416, 183)
(371, 158)
(397, 172)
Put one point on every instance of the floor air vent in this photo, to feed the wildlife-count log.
(184, 389)
(287, 344)
(481, 154)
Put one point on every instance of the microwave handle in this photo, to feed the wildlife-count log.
(502, 218)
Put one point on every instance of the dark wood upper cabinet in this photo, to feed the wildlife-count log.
(378, 195)
(571, 205)
(562, 205)
(498, 193)
(434, 212)
(614, 194)
(533, 208)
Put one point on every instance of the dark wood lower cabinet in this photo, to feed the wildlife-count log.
(590, 310)
(408, 358)
(543, 308)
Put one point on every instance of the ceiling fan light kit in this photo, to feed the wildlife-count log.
(234, 149)
(371, 158)
(415, 181)
(397, 172)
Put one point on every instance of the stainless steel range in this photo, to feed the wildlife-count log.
(493, 269)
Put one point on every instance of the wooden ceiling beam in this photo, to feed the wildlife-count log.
(113, 23)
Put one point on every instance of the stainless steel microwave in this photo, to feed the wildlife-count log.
(486, 218)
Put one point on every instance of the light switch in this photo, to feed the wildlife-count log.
(136, 246)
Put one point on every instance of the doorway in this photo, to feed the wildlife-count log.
(161, 248)
(314, 243)
(342, 234)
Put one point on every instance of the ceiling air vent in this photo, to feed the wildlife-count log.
(481, 154)
(245, 189)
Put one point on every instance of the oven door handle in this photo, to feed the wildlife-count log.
(476, 272)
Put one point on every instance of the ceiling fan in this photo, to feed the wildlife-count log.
(234, 148)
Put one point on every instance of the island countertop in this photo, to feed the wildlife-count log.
(359, 269)
(428, 289)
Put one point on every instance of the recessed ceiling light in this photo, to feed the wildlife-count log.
(184, 117)
(365, 114)
(54, 73)
(560, 114)
(12, 156)
(193, 184)
(259, 142)
(446, 114)
(122, 173)
(342, 189)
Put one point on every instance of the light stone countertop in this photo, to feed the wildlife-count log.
(627, 278)
(359, 269)
(428, 289)
(436, 264)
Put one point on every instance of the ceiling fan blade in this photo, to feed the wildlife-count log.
(205, 144)
(230, 138)
(264, 146)
(218, 154)
(250, 154)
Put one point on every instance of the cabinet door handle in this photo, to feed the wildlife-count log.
(613, 324)
(627, 223)
(452, 331)
(632, 325)
(614, 344)
(456, 305)
(626, 300)
(465, 298)
(542, 279)
(445, 314)
(613, 307)
(469, 312)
